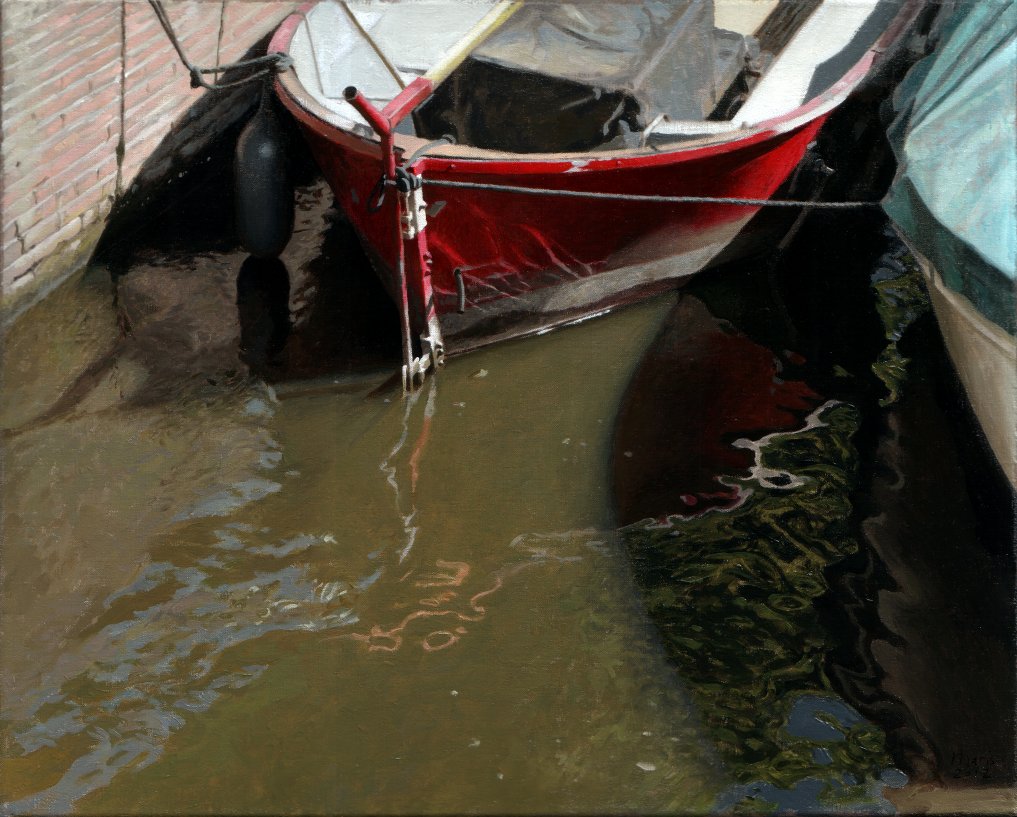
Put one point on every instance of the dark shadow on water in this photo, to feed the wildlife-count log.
(932, 593)
(908, 523)
(350, 315)
(192, 209)
(332, 317)
(701, 387)
(263, 297)
(316, 312)
(887, 578)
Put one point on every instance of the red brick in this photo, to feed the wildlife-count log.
(80, 33)
(83, 109)
(158, 120)
(196, 25)
(43, 108)
(140, 21)
(31, 116)
(145, 42)
(85, 63)
(24, 23)
(76, 43)
(41, 211)
(95, 11)
(246, 23)
(37, 250)
(91, 158)
(87, 199)
(97, 175)
(10, 233)
(143, 128)
(83, 184)
(42, 184)
(27, 189)
(156, 62)
(15, 201)
(11, 252)
(61, 102)
(106, 99)
(41, 172)
(41, 230)
(145, 108)
(75, 141)
(37, 83)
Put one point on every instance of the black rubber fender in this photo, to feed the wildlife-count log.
(263, 184)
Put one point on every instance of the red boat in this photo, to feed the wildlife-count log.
(511, 167)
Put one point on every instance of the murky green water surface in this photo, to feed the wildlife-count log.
(257, 579)
(335, 601)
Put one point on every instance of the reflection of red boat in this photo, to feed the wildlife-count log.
(678, 99)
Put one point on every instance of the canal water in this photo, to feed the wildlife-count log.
(736, 549)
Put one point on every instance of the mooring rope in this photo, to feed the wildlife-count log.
(649, 198)
(270, 63)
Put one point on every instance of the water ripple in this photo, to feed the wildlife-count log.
(154, 654)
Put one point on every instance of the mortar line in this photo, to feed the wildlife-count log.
(218, 44)
(122, 144)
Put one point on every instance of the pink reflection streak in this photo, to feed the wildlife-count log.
(462, 570)
(418, 452)
(380, 639)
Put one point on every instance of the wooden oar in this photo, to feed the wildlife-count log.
(485, 27)
(422, 87)
(384, 122)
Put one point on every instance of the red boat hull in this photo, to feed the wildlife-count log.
(513, 249)
(526, 262)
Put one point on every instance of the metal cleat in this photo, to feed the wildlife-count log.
(432, 357)
(413, 208)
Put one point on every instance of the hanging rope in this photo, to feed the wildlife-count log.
(646, 198)
(259, 66)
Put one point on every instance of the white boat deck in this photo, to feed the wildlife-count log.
(330, 50)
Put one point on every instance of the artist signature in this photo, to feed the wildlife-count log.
(981, 766)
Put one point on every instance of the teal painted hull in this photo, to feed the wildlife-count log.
(956, 144)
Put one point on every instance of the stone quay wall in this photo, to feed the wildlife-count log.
(96, 102)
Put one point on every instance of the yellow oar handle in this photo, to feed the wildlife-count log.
(487, 25)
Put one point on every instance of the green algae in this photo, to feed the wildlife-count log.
(900, 299)
(733, 592)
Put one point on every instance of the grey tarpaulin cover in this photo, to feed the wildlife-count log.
(659, 51)
(579, 76)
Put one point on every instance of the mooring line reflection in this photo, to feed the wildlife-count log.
(390, 465)
(538, 549)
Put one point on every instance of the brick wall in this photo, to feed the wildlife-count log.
(96, 102)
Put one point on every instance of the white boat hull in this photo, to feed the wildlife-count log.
(985, 358)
